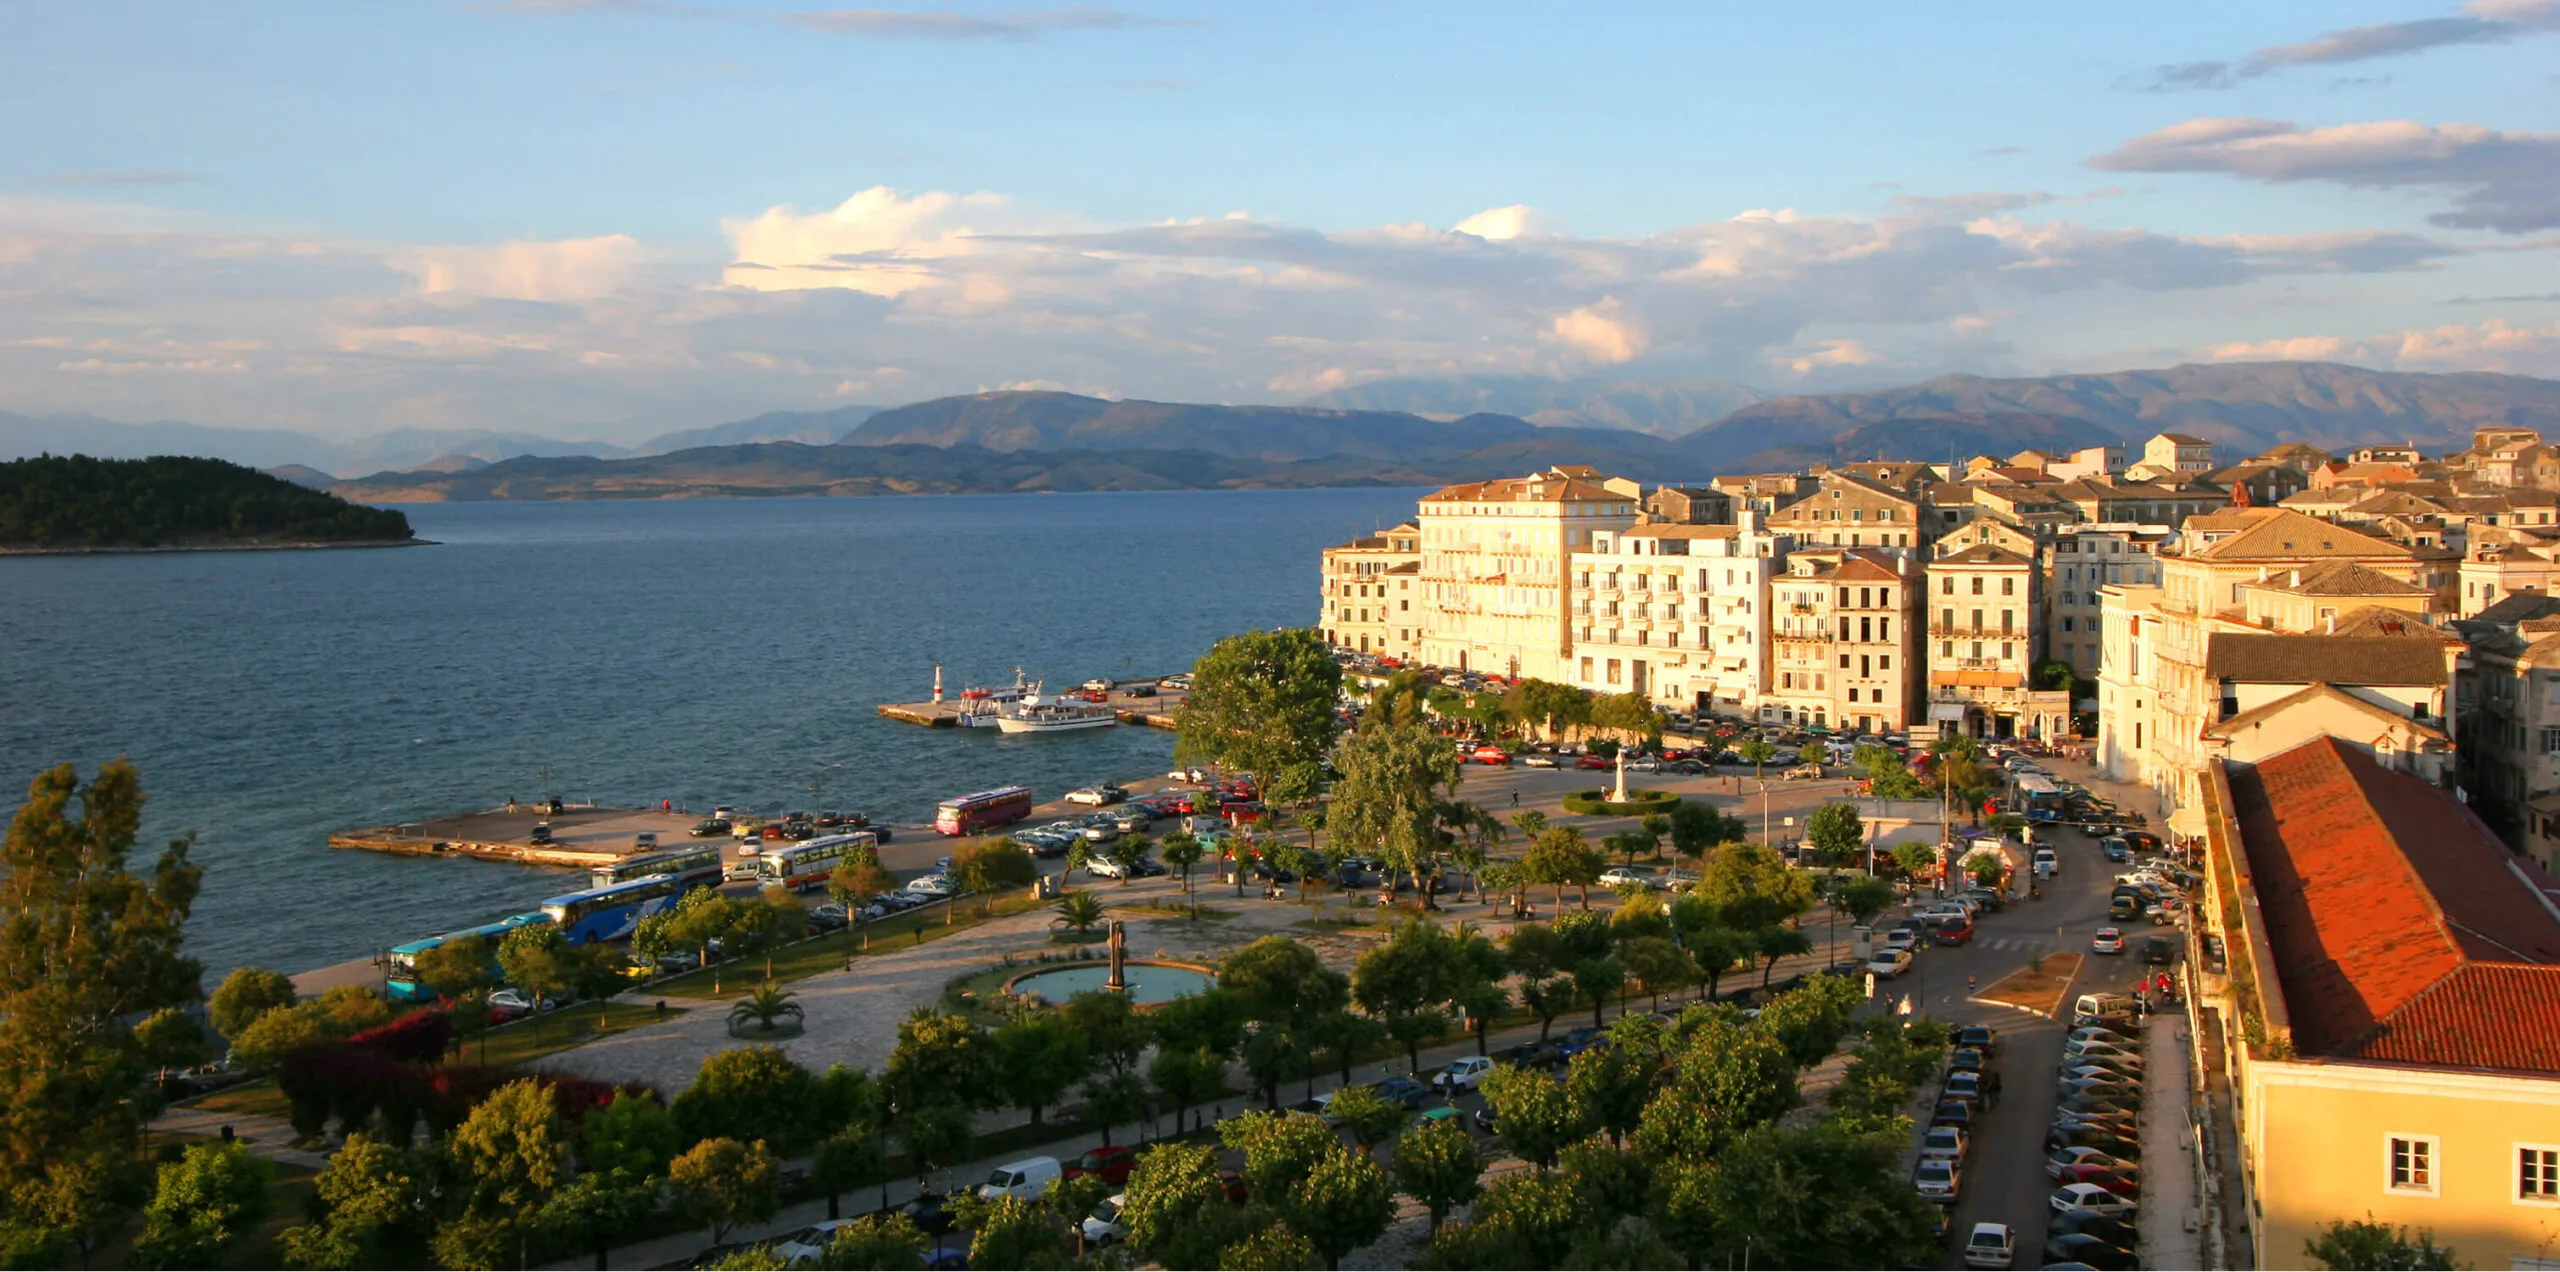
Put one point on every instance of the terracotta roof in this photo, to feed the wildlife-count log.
(2402, 930)
(1679, 530)
(2282, 534)
(1977, 678)
(1859, 568)
(1537, 489)
(1982, 554)
(2341, 578)
(2382, 620)
(2266, 659)
(2316, 691)
(1405, 567)
(2518, 606)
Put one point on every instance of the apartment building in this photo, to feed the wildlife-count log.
(1677, 612)
(2079, 561)
(2191, 652)
(2491, 572)
(2508, 700)
(1985, 637)
(1369, 593)
(1492, 582)
(1845, 642)
(1848, 510)
(2390, 1020)
(2098, 463)
(2152, 503)
(2169, 454)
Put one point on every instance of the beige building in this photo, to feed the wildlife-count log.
(1492, 581)
(2079, 563)
(1986, 628)
(1844, 647)
(2388, 1015)
(1369, 593)
(1849, 510)
(1678, 613)
(2175, 454)
(2509, 707)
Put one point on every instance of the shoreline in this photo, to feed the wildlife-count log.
(306, 546)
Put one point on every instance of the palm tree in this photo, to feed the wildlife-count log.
(769, 1006)
(1759, 752)
(1079, 910)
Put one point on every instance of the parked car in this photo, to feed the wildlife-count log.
(2094, 1052)
(1529, 1055)
(930, 1212)
(1955, 1113)
(1105, 793)
(1577, 1041)
(1945, 1141)
(710, 827)
(1462, 1075)
(1538, 759)
(2086, 1250)
(1990, 1245)
(2091, 1197)
(2121, 1182)
(1025, 1179)
(1953, 932)
(2096, 1033)
(1940, 1179)
(2157, 951)
(2063, 1158)
(1889, 963)
(1103, 1226)
(2107, 941)
(2116, 1229)
(1982, 1038)
(1110, 1161)
(1592, 762)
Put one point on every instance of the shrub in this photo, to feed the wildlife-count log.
(1638, 803)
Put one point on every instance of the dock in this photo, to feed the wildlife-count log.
(582, 836)
(1135, 701)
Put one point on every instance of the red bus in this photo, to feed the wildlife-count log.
(968, 814)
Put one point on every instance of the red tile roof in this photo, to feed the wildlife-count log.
(2402, 930)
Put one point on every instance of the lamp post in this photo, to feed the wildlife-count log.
(1764, 812)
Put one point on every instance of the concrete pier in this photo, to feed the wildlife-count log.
(1135, 701)
(581, 836)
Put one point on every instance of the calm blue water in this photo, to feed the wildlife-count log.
(1149, 983)
(704, 651)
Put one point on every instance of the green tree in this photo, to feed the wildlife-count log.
(246, 994)
(1612, 1084)
(749, 1094)
(704, 916)
(936, 1136)
(1260, 702)
(86, 946)
(1187, 1077)
(457, 966)
(1371, 1118)
(765, 1009)
(1594, 979)
(1176, 1212)
(370, 1190)
(1039, 1057)
(1835, 833)
(1278, 1150)
(1659, 963)
(858, 877)
(1080, 910)
(1535, 1115)
(1774, 943)
(539, 960)
(1559, 858)
(877, 1243)
(1114, 1099)
(1809, 1020)
(1113, 1031)
(1724, 1080)
(722, 1183)
(1436, 1164)
(1341, 1205)
(1182, 850)
(1915, 860)
(843, 1161)
(1863, 898)
(596, 1209)
(1405, 981)
(512, 1153)
(1273, 1247)
(1073, 1199)
(207, 1202)
(1285, 984)
(633, 1134)
(1015, 1232)
(1631, 716)
(1526, 1220)
(2367, 1244)
(942, 1058)
(172, 1039)
(1756, 752)
(1824, 1195)
(991, 866)
(1389, 795)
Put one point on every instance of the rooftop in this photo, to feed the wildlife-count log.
(2341, 578)
(2402, 930)
(1540, 488)
(2261, 658)
(2281, 534)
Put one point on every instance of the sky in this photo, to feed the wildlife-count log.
(608, 218)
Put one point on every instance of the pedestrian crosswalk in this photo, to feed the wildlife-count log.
(2042, 944)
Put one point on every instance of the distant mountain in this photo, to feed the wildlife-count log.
(1664, 408)
(301, 475)
(1019, 421)
(2245, 407)
(22, 436)
(1924, 437)
(814, 427)
(406, 447)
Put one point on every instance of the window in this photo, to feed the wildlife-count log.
(2413, 1164)
(2551, 739)
(1947, 619)
(2008, 585)
(1977, 585)
(2538, 1174)
(1946, 585)
(1884, 662)
(1946, 649)
(2066, 626)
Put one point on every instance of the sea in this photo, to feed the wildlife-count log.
(699, 651)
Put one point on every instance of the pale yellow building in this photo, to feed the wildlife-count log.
(1677, 612)
(2388, 1014)
(1492, 585)
(1369, 594)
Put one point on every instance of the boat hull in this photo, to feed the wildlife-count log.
(1019, 724)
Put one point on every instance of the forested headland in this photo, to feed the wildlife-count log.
(75, 502)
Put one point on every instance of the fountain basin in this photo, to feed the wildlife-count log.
(1151, 983)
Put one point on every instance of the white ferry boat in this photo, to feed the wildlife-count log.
(1032, 713)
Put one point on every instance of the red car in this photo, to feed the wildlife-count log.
(1110, 1161)
(1491, 755)
(1243, 810)
(1594, 762)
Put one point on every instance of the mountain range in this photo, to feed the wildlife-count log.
(1433, 432)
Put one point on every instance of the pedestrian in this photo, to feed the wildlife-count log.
(1515, 799)
(511, 803)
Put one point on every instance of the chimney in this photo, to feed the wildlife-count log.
(2297, 577)
(2333, 625)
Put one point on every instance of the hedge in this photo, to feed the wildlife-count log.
(1639, 803)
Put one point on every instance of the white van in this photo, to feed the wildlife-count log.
(2047, 865)
(1025, 1179)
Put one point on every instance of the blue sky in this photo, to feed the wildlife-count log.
(618, 216)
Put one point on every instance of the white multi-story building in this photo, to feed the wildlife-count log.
(1676, 612)
(1369, 593)
(1494, 556)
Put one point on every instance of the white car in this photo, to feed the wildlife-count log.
(1103, 1227)
(1461, 1075)
(1991, 1245)
(1945, 1142)
(1888, 964)
(1621, 876)
(1088, 795)
(518, 1002)
(1538, 759)
(934, 886)
(2101, 1053)
(1938, 1178)
(2090, 1197)
(809, 1244)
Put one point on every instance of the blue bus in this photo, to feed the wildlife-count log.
(2038, 798)
(400, 981)
(693, 867)
(609, 914)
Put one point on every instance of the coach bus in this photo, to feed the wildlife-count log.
(2038, 798)
(969, 814)
(400, 980)
(803, 866)
(609, 914)
(693, 867)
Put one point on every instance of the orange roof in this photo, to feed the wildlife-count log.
(1541, 488)
(2401, 929)
(1978, 679)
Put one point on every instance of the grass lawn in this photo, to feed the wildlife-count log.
(1208, 913)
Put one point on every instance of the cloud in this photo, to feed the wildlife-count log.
(1834, 353)
(878, 241)
(2506, 181)
(2541, 298)
(2479, 22)
(872, 24)
(526, 269)
(2493, 345)
(145, 178)
(1599, 333)
(1497, 225)
(2282, 349)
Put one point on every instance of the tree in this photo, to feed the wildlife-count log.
(942, 1058)
(457, 966)
(766, 1008)
(633, 1134)
(1835, 833)
(1723, 1080)
(723, 1183)
(1389, 795)
(1176, 1211)
(877, 1242)
(843, 1160)
(87, 945)
(1405, 980)
(1114, 1033)
(539, 960)
(1182, 850)
(1080, 910)
(1186, 1077)
(1530, 821)
(1809, 1020)
(1015, 1232)
(1039, 1056)
(1283, 983)
(2367, 1244)
(1825, 1195)
(246, 994)
(1270, 1248)
(1260, 702)
(368, 1190)
(1612, 1084)
(172, 1039)
(1594, 979)
(991, 866)
(749, 1094)
(1341, 1205)
(1757, 752)
(1437, 1164)
(858, 877)
(1628, 714)
(1774, 943)
(704, 916)
(1715, 950)
(207, 1201)
(1559, 858)
(1128, 852)
(1371, 1118)
(1915, 860)
(1114, 1099)
(1526, 1220)
(1535, 1115)
(1073, 1199)
(597, 1208)
(1863, 898)
(512, 1153)
(1278, 1151)
(935, 1135)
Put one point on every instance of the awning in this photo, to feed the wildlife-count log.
(2187, 822)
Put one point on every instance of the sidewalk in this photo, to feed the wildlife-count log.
(2171, 1215)
(265, 1136)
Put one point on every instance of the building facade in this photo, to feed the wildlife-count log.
(1369, 594)
(1986, 630)
(1676, 612)
(1492, 579)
